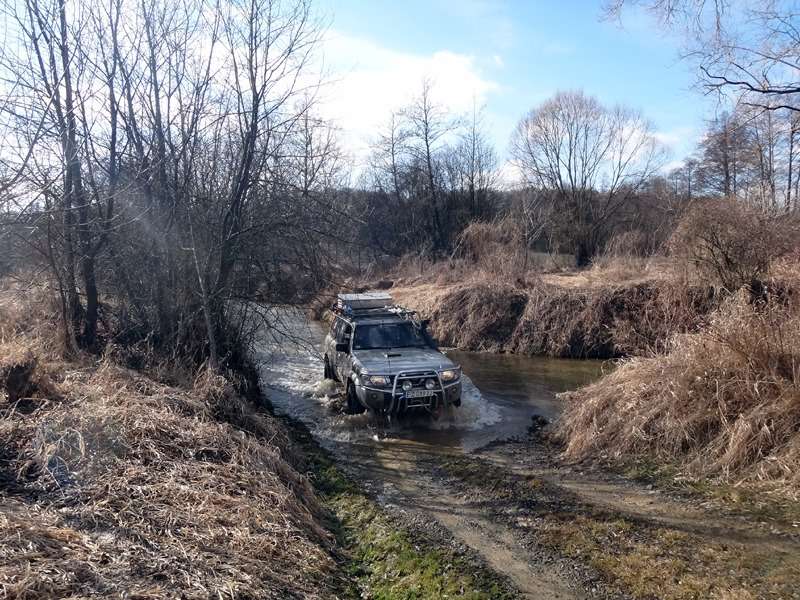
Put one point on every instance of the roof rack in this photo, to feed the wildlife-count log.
(370, 304)
(363, 300)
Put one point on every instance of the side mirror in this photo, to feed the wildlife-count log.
(343, 347)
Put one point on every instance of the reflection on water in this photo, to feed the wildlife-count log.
(527, 380)
(501, 393)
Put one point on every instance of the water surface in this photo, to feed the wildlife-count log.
(501, 393)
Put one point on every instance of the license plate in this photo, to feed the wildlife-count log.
(419, 393)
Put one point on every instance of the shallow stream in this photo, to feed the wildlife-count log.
(501, 393)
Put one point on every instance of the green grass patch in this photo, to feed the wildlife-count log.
(385, 560)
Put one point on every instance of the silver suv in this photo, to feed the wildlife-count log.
(386, 359)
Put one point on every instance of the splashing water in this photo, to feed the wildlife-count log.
(291, 370)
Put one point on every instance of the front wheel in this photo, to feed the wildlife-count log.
(354, 407)
(328, 372)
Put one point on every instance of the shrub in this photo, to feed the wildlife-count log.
(733, 244)
(497, 247)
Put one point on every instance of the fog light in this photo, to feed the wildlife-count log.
(407, 385)
(430, 384)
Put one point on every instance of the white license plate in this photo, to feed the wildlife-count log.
(419, 393)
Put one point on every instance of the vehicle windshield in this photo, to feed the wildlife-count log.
(387, 335)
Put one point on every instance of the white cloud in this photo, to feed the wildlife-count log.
(508, 175)
(680, 141)
(672, 165)
(369, 81)
(677, 138)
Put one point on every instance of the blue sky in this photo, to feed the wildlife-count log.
(510, 56)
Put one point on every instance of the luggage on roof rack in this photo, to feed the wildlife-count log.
(370, 304)
(367, 300)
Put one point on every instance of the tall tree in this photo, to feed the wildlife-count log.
(428, 124)
(593, 159)
(478, 165)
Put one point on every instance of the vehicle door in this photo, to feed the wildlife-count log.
(344, 332)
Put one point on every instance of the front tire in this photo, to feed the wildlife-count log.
(328, 372)
(353, 407)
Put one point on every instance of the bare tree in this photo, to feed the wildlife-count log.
(750, 154)
(479, 165)
(156, 148)
(51, 69)
(592, 158)
(428, 124)
(724, 156)
(748, 47)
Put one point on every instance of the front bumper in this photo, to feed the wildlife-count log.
(394, 400)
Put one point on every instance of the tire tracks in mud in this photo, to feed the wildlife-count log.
(401, 477)
(637, 540)
(511, 508)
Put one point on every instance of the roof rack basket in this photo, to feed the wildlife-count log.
(373, 304)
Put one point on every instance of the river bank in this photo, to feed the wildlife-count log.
(557, 316)
(159, 483)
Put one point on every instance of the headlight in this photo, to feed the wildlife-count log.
(430, 384)
(378, 380)
(407, 385)
(450, 375)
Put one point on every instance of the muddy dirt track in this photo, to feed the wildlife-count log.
(490, 487)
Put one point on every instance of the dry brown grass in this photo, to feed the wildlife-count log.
(724, 401)
(609, 322)
(479, 317)
(603, 322)
(115, 485)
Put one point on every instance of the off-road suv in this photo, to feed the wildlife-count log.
(386, 359)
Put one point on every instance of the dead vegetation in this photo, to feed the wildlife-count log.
(731, 243)
(544, 319)
(713, 387)
(113, 484)
(722, 402)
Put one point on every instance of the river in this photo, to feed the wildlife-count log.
(501, 393)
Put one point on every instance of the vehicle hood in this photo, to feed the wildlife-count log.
(390, 362)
